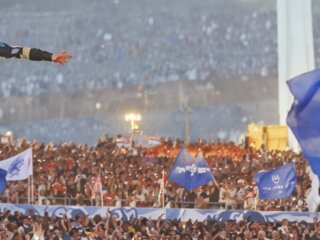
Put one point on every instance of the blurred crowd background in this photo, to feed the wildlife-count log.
(155, 42)
(159, 57)
(219, 63)
(155, 57)
(66, 173)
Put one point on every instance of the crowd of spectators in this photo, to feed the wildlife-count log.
(15, 225)
(153, 47)
(154, 42)
(66, 173)
(175, 43)
(164, 123)
(147, 45)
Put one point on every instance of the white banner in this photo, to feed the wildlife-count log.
(18, 167)
(169, 213)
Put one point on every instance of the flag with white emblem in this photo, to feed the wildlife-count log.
(18, 167)
(278, 183)
(190, 172)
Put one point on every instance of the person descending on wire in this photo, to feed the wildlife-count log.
(34, 54)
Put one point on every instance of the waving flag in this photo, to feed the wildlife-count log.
(18, 167)
(190, 172)
(154, 141)
(313, 198)
(277, 183)
(123, 142)
(304, 116)
(3, 181)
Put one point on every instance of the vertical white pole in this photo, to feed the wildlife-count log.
(163, 189)
(32, 190)
(29, 190)
(187, 119)
(295, 51)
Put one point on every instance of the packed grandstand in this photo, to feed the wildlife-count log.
(148, 47)
(161, 43)
(116, 188)
(31, 226)
(131, 177)
(203, 45)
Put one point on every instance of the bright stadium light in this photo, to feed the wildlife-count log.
(9, 134)
(98, 105)
(133, 118)
(6, 138)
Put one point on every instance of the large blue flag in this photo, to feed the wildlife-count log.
(3, 181)
(277, 183)
(304, 116)
(190, 172)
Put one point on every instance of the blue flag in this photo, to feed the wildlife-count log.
(3, 181)
(190, 172)
(277, 183)
(304, 116)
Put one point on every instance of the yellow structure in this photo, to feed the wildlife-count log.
(255, 135)
(274, 137)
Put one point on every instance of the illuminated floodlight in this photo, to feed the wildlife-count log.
(133, 118)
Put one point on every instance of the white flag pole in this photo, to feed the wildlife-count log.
(163, 188)
(29, 189)
(32, 190)
(31, 174)
(161, 192)
(159, 204)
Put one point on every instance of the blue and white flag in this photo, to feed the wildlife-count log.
(18, 167)
(3, 181)
(304, 116)
(154, 141)
(278, 183)
(123, 142)
(190, 172)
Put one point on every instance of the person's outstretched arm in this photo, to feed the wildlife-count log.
(34, 54)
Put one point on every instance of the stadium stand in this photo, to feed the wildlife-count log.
(66, 173)
(153, 47)
(157, 44)
(15, 225)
